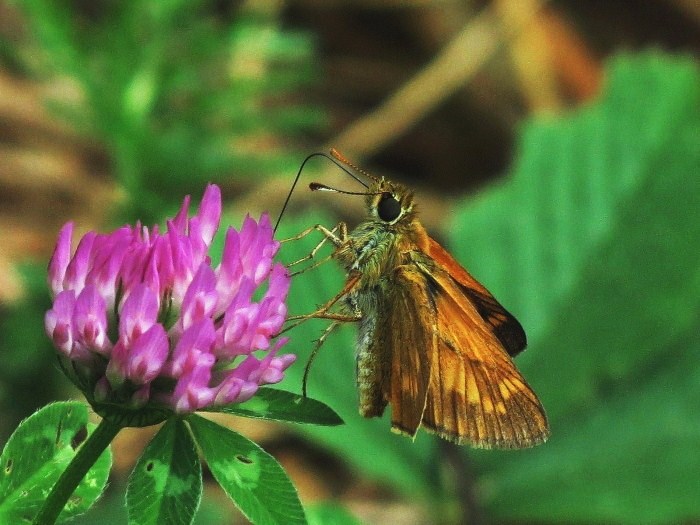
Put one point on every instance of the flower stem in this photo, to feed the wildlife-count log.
(87, 455)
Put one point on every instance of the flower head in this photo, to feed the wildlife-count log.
(145, 318)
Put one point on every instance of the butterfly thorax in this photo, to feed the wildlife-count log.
(386, 241)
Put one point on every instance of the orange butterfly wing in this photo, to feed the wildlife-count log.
(476, 394)
(411, 348)
(505, 327)
(450, 372)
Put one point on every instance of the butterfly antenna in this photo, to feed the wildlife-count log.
(342, 158)
(335, 160)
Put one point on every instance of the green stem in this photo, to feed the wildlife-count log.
(85, 458)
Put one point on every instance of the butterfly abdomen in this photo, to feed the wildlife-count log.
(371, 363)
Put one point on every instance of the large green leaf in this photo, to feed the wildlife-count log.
(35, 456)
(253, 479)
(147, 92)
(593, 244)
(165, 486)
(280, 405)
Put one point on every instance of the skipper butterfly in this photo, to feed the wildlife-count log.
(433, 343)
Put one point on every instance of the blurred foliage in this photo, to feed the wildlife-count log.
(24, 348)
(592, 243)
(180, 93)
(330, 514)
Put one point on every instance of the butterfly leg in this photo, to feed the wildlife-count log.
(323, 312)
(312, 356)
(339, 237)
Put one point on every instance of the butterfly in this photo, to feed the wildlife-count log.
(433, 343)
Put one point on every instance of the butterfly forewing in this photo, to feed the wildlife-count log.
(476, 394)
(505, 327)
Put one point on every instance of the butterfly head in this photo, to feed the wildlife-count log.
(389, 202)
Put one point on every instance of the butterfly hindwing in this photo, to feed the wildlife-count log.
(411, 347)
(476, 394)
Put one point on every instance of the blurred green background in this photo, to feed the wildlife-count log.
(554, 148)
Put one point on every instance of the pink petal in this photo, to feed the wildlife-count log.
(200, 298)
(183, 264)
(58, 322)
(193, 349)
(60, 259)
(90, 321)
(180, 221)
(230, 271)
(274, 373)
(138, 313)
(209, 213)
(234, 390)
(192, 391)
(79, 266)
(147, 355)
(108, 255)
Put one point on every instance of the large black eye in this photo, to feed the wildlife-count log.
(388, 208)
